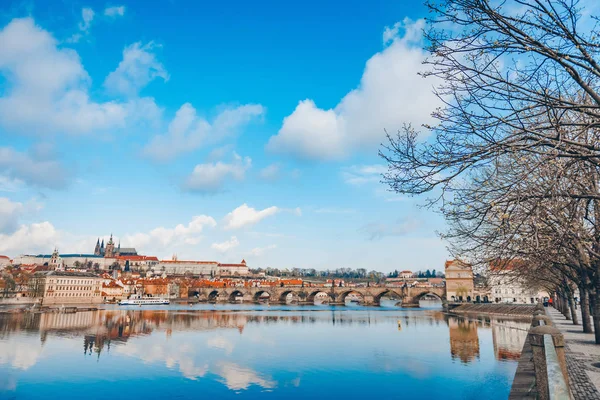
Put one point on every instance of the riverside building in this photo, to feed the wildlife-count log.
(59, 287)
(459, 281)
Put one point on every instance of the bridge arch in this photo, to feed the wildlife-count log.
(235, 294)
(213, 295)
(387, 292)
(427, 293)
(284, 294)
(257, 296)
(341, 298)
(314, 293)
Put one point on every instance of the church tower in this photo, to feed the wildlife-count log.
(110, 248)
(97, 249)
(102, 248)
(55, 260)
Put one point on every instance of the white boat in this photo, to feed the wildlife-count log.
(143, 301)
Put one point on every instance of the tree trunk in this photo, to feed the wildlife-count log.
(573, 309)
(597, 308)
(565, 307)
(585, 309)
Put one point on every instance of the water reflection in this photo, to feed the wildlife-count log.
(252, 350)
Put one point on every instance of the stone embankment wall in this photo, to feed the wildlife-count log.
(515, 310)
(542, 370)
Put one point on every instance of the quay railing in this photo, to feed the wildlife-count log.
(549, 362)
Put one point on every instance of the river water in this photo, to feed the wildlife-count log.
(239, 351)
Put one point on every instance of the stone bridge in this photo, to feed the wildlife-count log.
(306, 295)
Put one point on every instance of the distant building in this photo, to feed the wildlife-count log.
(507, 285)
(110, 251)
(59, 287)
(112, 291)
(406, 274)
(182, 267)
(4, 261)
(232, 269)
(459, 281)
(138, 263)
(67, 261)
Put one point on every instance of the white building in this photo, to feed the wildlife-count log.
(182, 267)
(508, 287)
(200, 268)
(232, 269)
(66, 260)
(4, 261)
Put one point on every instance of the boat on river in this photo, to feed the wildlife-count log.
(143, 301)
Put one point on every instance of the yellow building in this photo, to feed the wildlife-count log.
(59, 287)
(464, 340)
(459, 281)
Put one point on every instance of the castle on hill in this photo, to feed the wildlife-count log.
(110, 251)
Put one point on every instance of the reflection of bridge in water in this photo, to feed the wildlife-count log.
(306, 295)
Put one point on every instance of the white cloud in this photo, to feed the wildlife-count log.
(212, 177)
(8, 184)
(237, 377)
(227, 245)
(9, 214)
(163, 238)
(361, 174)
(270, 172)
(20, 355)
(390, 33)
(247, 216)
(137, 69)
(39, 237)
(36, 168)
(259, 251)
(390, 94)
(219, 342)
(46, 86)
(87, 15)
(188, 131)
(116, 11)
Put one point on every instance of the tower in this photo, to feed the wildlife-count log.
(110, 248)
(55, 260)
(97, 248)
(102, 248)
(119, 248)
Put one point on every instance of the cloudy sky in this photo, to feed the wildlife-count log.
(212, 131)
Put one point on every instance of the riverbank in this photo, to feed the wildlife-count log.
(45, 309)
(506, 310)
(581, 352)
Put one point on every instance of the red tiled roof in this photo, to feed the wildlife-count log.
(506, 265)
(111, 284)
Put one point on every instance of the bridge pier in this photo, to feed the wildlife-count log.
(369, 300)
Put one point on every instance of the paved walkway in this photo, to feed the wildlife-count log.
(581, 351)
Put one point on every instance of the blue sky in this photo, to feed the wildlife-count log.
(213, 130)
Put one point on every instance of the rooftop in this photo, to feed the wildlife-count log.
(65, 273)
